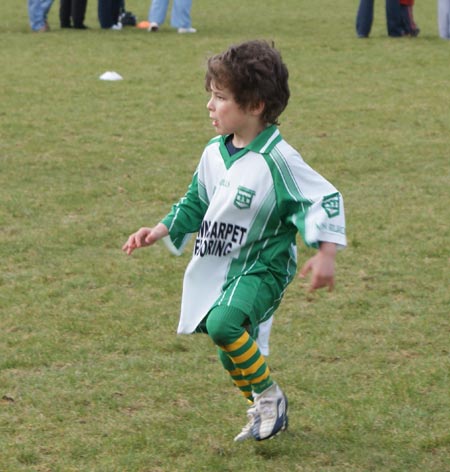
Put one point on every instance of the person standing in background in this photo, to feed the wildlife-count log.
(72, 13)
(444, 18)
(108, 13)
(394, 22)
(406, 11)
(180, 17)
(37, 12)
(364, 18)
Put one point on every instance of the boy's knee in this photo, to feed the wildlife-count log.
(222, 328)
(217, 329)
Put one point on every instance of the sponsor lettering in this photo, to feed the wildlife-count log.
(216, 238)
(331, 228)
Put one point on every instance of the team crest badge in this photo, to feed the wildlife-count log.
(243, 198)
(331, 205)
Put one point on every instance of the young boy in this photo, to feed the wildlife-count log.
(250, 195)
(406, 11)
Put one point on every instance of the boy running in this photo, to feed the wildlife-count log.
(250, 195)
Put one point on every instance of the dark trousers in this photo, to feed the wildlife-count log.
(74, 10)
(394, 18)
(108, 12)
(364, 18)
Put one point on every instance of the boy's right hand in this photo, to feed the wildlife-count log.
(145, 237)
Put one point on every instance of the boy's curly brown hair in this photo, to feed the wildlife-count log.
(254, 73)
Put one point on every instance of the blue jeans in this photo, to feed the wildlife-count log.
(364, 18)
(444, 18)
(38, 11)
(394, 19)
(180, 16)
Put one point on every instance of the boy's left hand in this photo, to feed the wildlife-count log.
(322, 267)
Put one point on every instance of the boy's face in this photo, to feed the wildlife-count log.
(226, 115)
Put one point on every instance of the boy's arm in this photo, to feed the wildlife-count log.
(145, 237)
(186, 216)
(316, 208)
(321, 265)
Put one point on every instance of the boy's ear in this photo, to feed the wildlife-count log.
(258, 109)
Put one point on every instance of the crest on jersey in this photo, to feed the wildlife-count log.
(331, 205)
(243, 198)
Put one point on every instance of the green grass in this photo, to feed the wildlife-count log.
(92, 375)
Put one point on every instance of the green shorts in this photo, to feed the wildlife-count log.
(258, 296)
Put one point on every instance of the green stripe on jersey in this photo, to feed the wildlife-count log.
(202, 194)
(290, 184)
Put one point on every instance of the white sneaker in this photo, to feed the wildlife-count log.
(153, 27)
(246, 432)
(117, 26)
(271, 413)
(186, 30)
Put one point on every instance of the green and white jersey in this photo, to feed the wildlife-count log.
(246, 211)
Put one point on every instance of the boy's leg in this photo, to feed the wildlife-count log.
(225, 325)
(236, 376)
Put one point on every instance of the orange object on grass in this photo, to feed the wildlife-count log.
(143, 25)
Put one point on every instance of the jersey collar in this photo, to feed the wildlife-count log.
(262, 144)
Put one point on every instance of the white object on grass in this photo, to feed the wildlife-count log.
(111, 75)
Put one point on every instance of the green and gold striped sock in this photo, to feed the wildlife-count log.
(246, 356)
(236, 376)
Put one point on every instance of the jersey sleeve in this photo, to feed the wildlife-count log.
(308, 201)
(185, 217)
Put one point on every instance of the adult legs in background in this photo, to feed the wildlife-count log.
(158, 11)
(65, 9)
(394, 19)
(444, 18)
(78, 13)
(38, 11)
(364, 18)
(108, 12)
(181, 14)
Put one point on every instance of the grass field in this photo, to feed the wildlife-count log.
(93, 377)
